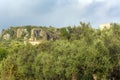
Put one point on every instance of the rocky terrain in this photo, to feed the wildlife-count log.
(37, 34)
(31, 34)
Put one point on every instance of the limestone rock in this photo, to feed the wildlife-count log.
(21, 31)
(103, 26)
(6, 36)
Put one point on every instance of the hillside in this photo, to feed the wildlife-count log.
(69, 53)
(40, 33)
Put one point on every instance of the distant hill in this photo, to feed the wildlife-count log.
(38, 34)
(30, 33)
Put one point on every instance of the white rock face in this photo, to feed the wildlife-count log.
(20, 32)
(6, 36)
(103, 26)
(34, 42)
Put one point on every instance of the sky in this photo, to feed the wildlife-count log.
(58, 13)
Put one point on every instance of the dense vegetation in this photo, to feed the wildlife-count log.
(81, 53)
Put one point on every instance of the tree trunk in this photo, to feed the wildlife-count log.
(94, 77)
(103, 77)
(74, 77)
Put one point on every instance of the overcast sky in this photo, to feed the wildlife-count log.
(58, 13)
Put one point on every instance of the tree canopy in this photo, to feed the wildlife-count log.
(80, 53)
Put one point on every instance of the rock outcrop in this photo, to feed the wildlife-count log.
(32, 35)
(21, 32)
(105, 26)
(6, 36)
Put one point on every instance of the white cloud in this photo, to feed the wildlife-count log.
(85, 2)
(105, 7)
(13, 8)
(56, 12)
(100, 0)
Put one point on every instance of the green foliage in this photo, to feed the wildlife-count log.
(3, 53)
(80, 53)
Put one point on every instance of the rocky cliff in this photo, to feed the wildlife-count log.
(31, 34)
